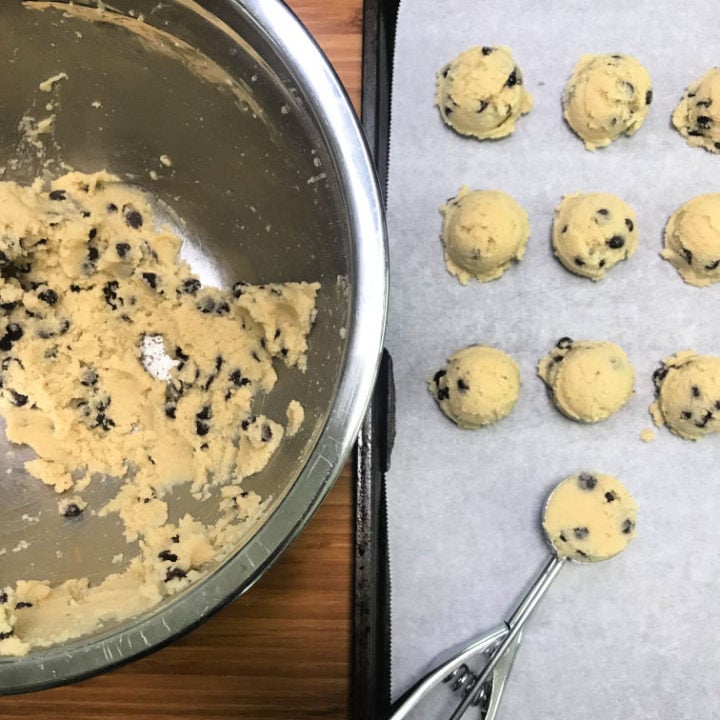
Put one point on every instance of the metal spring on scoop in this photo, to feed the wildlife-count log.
(464, 679)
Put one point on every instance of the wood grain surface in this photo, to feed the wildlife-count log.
(282, 650)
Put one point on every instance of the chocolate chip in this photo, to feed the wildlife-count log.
(89, 377)
(190, 286)
(514, 78)
(72, 510)
(706, 418)
(447, 110)
(103, 421)
(695, 390)
(111, 295)
(13, 333)
(266, 433)
(487, 50)
(627, 527)
(610, 496)
(22, 604)
(483, 105)
(174, 573)
(648, 97)
(167, 556)
(717, 145)
(205, 413)
(122, 249)
(48, 296)
(237, 379)
(687, 254)
(629, 87)
(630, 224)
(18, 399)
(703, 121)
(579, 261)
(112, 207)
(564, 229)
(151, 279)
(713, 265)
(686, 414)
(202, 427)
(695, 133)
(616, 242)
(133, 218)
(3, 597)
(717, 404)
(245, 424)
(75, 288)
(580, 533)
(604, 212)
(704, 103)
(239, 288)
(564, 343)
(462, 385)
(659, 375)
(601, 263)
(57, 195)
(586, 481)
(562, 537)
(445, 71)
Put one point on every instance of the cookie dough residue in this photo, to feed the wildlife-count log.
(593, 232)
(87, 278)
(697, 116)
(605, 97)
(687, 395)
(590, 517)
(589, 379)
(692, 240)
(483, 232)
(481, 93)
(479, 386)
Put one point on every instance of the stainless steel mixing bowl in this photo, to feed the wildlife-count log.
(270, 180)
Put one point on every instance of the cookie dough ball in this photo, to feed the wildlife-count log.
(692, 240)
(479, 386)
(687, 395)
(593, 232)
(606, 96)
(481, 93)
(697, 116)
(590, 517)
(589, 380)
(483, 232)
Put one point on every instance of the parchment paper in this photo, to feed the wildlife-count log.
(635, 637)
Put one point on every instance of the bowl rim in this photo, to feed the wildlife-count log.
(57, 665)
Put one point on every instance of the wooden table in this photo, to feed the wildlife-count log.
(282, 650)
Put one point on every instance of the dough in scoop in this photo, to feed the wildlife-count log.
(692, 240)
(590, 517)
(606, 96)
(687, 395)
(697, 116)
(589, 379)
(593, 232)
(479, 386)
(481, 93)
(483, 232)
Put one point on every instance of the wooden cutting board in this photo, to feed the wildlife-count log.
(282, 650)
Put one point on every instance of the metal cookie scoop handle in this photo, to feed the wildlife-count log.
(497, 648)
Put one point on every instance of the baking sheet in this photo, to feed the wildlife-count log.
(636, 636)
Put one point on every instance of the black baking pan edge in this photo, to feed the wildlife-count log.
(371, 691)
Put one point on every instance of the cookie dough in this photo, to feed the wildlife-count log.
(87, 278)
(606, 96)
(589, 380)
(590, 517)
(481, 93)
(483, 231)
(479, 386)
(692, 240)
(687, 395)
(593, 232)
(697, 116)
